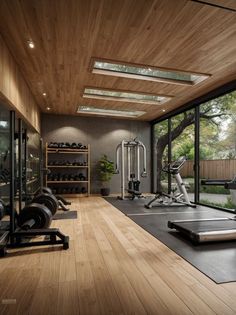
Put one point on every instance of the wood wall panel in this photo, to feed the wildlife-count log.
(14, 89)
(230, 4)
(177, 34)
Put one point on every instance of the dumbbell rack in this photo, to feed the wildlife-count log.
(69, 152)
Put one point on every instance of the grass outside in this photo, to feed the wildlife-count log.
(214, 190)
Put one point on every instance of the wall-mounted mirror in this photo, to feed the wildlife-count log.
(4, 154)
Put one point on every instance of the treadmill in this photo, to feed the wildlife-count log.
(208, 230)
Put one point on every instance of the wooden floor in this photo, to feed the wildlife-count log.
(112, 267)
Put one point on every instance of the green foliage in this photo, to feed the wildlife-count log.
(217, 130)
(206, 189)
(214, 190)
(217, 133)
(161, 128)
(226, 205)
(106, 169)
(183, 148)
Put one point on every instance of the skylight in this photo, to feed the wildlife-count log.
(125, 96)
(141, 72)
(109, 112)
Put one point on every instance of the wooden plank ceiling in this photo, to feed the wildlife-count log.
(179, 34)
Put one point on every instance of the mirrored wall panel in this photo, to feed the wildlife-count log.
(4, 154)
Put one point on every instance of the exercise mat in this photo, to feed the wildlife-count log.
(215, 260)
(65, 215)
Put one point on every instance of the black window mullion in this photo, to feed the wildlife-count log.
(196, 154)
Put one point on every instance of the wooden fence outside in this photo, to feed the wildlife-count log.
(215, 169)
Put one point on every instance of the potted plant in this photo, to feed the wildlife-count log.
(106, 170)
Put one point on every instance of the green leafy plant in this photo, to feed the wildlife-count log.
(106, 169)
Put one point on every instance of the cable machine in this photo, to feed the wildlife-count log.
(128, 157)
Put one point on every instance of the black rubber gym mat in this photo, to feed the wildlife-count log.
(65, 215)
(215, 260)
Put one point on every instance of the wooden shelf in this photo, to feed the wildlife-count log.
(85, 168)
(60, 151)
(66, 166)
(66, 181)
(67, 149)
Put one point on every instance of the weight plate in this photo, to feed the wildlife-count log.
(46, 190)
(39, 213)
(50, 201)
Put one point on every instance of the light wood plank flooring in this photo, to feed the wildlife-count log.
(112, 267)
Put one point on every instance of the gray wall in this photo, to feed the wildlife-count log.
(103, 135)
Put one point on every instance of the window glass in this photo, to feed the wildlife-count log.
(218, 151)
(160, 156)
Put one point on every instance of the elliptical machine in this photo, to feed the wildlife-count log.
(178, 196)
(128, 158)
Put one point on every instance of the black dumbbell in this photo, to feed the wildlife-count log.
(83, 190)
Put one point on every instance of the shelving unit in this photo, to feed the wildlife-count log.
(61, 154)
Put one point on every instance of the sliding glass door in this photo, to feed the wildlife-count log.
(218, 151)
(215, 151)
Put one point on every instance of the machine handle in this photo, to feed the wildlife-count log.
(117, 170)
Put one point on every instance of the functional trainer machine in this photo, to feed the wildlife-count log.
(179, 196)
(128, 156)
(208, 230)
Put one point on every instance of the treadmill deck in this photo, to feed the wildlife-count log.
(206, 230)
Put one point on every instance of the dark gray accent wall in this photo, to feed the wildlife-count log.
(103, 134)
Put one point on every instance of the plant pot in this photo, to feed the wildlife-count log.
(105, 191)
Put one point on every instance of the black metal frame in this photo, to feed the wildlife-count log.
(214, 5)
(196, 155)
(20, 183)
(194, 104)
(169, 154)
(20, 238)
(12, 174)
(55, 238)
(152, 158)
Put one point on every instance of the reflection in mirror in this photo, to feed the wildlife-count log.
(32, 166)
(4, 154)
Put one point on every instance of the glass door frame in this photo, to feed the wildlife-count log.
(195, 104)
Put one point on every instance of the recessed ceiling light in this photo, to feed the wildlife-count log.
(44, 94)
(31, 44)
(163, 110)
(109, 112)
(125, 96)
(142, 72)
(48, 108)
